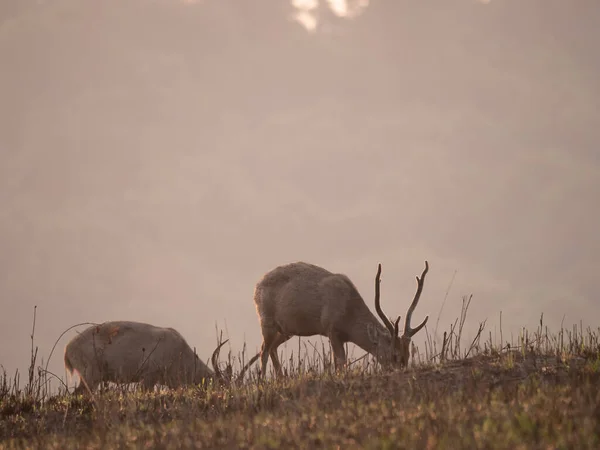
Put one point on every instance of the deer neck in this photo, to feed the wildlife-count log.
(202, 371)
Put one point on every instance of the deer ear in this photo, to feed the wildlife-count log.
(372, 333)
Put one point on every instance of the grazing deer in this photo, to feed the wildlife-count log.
(132, 352)
(301, 299)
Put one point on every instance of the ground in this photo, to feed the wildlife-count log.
(542, 393)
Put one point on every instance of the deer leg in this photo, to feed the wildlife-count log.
(80, 389)
(148, 383)
(339, 354)
(280, 339)
(87, 378)
(269, 338)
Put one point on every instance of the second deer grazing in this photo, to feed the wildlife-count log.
(301, 299)
(132, 352)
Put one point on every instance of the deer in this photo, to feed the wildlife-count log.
(302, 299)
(133, 352)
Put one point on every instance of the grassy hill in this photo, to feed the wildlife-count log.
(540, 392)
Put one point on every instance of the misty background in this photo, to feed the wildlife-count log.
(158, 157)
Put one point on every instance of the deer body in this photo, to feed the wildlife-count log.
(131, 352)
(302, 299)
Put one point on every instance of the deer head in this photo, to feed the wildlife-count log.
(227, 378)
(399, 345)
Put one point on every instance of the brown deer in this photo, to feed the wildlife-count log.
(132, 352)
(301, 299)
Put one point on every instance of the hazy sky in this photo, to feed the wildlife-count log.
(157, 157)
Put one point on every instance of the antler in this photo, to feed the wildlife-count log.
(408, 331)
(392, 328)
(240, 377)
(215, 360)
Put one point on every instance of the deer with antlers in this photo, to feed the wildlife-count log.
(301, 299)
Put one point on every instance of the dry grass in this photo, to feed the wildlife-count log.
(540, 392)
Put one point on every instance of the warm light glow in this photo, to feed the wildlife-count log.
(342, 8)
(307, 11)
(306, 19)
(339, 7)
(305, 5)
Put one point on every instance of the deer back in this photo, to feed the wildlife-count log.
(127, 351)
(304, 299)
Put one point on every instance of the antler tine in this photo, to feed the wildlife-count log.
(214, 359)
(409, 332)
(383, 317)
(240, 376)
